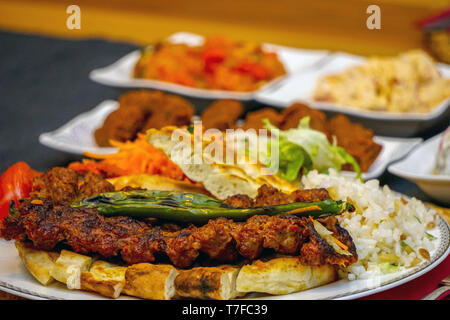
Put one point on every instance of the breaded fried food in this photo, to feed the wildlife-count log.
(254, 120)
(149, 101)
(140, 110)
(356, 140)
(222, 114)
(173, 111)
(122, 124)
(292, 116)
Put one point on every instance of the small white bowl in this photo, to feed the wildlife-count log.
(418, 167)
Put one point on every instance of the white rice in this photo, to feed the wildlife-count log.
(379, 223)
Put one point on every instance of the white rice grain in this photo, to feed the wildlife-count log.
(381, 220)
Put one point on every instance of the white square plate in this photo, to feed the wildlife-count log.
(77, 136)
(120, 73)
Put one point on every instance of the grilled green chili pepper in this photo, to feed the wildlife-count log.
(197, 208)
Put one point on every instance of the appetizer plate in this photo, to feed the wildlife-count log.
(418, 168)
(77, 136)
(15, 279)
(120, 73)
(299, 87)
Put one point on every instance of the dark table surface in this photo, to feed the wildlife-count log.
(44, 82)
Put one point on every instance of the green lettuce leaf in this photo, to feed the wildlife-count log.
(303, 147)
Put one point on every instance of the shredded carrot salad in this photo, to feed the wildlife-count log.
(133, 157)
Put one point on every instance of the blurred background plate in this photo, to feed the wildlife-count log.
(299, 87)
(418, 167)
(119, 74)
(77, 136)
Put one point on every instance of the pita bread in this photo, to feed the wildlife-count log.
(150, 281)
(68, 268)
(39, 263)
(282, 275)
(208, 283)
(155, 182)
(221, 180)
(104, 278)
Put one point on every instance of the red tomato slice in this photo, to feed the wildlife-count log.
(15, 184)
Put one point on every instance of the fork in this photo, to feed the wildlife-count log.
(445, 286)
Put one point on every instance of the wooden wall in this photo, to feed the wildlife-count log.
(329, 24)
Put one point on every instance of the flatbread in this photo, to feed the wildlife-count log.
(208, 283)
(155, 182)
(282, 275)
(276, 275)
(150, 281)
(68, 268)
(221, 180)
(104, 278)
(39, 263)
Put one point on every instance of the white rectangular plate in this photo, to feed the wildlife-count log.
(299, 87)
(120, 73)
(77, 136)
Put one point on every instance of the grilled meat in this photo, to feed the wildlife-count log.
(87, 231)
(270, 196)
(63, 185)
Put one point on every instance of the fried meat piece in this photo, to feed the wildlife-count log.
(270, 196)
(58, 184)
(356, 140)
(316, 251)
(64, 185)
(240, 201)
(254, 120)
(140, 110)
(94, 184)
(174, 111)
(147, 100)
(222, 114)
(122, 124)
(292, 116)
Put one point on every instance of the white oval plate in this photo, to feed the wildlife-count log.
(119, 74)
(418, 166)
(299, 87)
(77, 136)
(15, 279)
